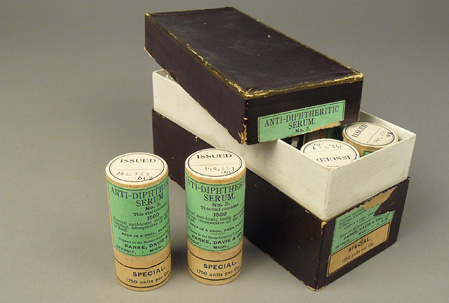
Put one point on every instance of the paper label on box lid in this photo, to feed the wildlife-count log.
(299, 121)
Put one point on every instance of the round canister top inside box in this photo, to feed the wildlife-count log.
(369, 134)
(330, 152)
(215, 166)
(136, 170)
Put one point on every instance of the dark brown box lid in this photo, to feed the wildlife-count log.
(250, 77)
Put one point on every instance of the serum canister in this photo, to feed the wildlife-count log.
(140, 221)
(215, 196)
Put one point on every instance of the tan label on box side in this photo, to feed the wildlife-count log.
(358, 248)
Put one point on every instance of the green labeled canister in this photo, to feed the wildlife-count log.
(215, 197)
(140, 220)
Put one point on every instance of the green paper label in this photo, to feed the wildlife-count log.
(140, 219)
(299, 121)
(215, 214)
(356, 224)
(367, 152)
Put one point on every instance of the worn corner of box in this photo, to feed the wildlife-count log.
(379, 198)
(317, 289)
(359, 75)
(323, 226)
(149, 16)
(147, 51)
(243, 134)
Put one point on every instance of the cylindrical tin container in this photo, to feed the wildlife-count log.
(215, 195)
(368, 137)
(330, 152)
(140, 221)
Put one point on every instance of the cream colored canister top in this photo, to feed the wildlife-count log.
(330, 152)
(369, 134)
(136, 170)
(215, 166)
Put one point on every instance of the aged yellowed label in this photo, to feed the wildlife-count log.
(358, 248)
(215, 198)
(140, 219)
(215, 268)
(140, 277)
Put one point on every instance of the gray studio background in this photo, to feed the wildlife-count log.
(75, 91)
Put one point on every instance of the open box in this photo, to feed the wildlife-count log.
(324, 191)
(317, 222)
